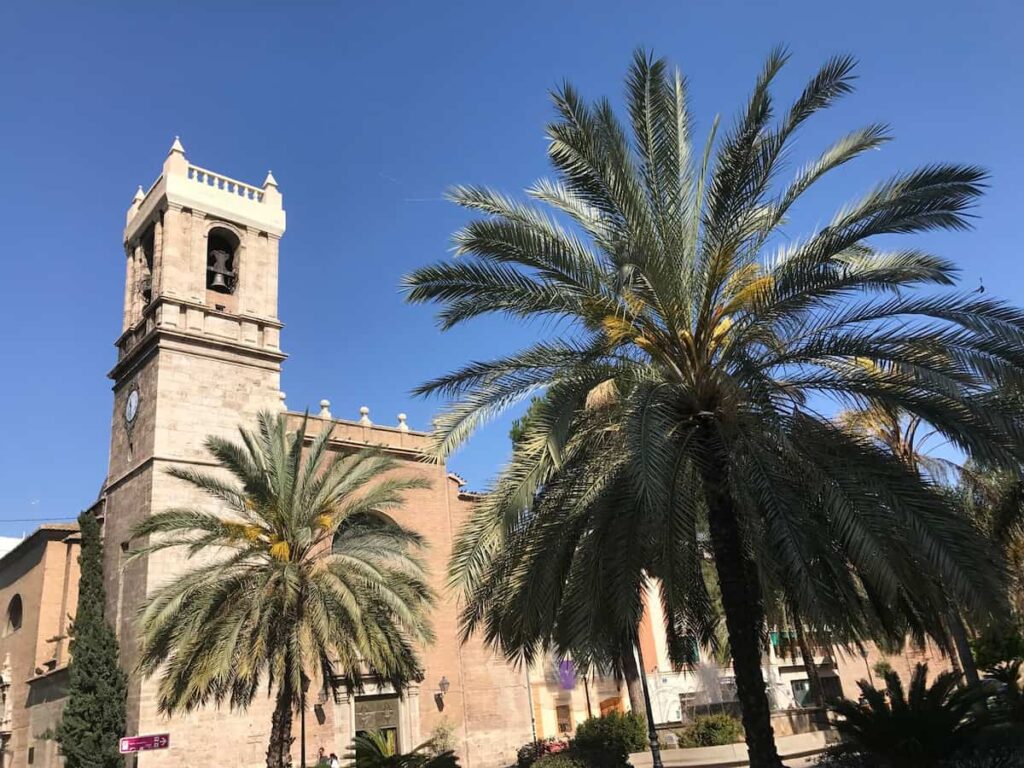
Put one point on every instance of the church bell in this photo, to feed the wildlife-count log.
(220, 271)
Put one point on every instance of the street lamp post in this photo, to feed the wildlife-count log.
(302, 723)
(652, 731)
(529, 702)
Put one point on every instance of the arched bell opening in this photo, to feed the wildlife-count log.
(148, 243)
(222, 261)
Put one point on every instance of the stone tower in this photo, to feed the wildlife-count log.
(199, 353)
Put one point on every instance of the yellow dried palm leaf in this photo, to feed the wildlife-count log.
(280, 550)
(617, 328)
(721, 329)
(746, 296)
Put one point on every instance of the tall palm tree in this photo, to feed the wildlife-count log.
(691, 347)
(302, 578)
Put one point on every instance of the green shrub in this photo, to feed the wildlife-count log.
(605, 742)
(532, 751)
(711, 731)
(997, 645)
(566, 759)
(999, 747)
(882, 668)
(991, 758)
(442, 738)
(854, 760)
(1003, 758)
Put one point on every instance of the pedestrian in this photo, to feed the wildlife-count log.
(335, 762)
(321, 759)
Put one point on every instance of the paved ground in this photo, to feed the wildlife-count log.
(673, 758)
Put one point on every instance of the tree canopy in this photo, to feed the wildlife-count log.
(93, 721)
(692, 347)
(304, 579)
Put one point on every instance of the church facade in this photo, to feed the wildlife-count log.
(200, 353)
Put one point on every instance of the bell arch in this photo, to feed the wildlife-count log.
(223, 251)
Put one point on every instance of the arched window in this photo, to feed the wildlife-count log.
(14, 615)
(146, 279)
(221, 261)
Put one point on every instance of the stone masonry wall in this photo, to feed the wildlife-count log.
(198, 395)
(487, 701)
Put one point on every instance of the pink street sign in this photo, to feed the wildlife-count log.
(142, 743)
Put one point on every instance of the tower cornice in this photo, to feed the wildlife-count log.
(187, 185)
(191, 326)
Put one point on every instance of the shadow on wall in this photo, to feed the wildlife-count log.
(20, 564)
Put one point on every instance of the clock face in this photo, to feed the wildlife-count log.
(131, 406)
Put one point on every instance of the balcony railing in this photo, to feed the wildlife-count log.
(228, 185)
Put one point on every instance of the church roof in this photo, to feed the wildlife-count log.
(46, 528)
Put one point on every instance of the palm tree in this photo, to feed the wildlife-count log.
(691, 348)
(301, 578)
(377, 749)
(619, 657)
(814, 686)
(917, 728)
(906, 436)
(993, 498)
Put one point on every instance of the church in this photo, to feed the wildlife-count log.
(200, 353)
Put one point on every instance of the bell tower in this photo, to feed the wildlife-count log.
(199, 354)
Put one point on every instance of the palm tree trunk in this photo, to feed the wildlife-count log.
(744, 616)
(280, 747)
(954, 656)
(633, 686)
(963, 646)
(807, 654)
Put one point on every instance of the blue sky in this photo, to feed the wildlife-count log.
(366, 112)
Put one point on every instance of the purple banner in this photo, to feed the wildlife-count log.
(567, 675)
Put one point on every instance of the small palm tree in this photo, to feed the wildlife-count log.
(302, 578)
(693, 350)
(1011, 693)
(377, 749)
(917, 728)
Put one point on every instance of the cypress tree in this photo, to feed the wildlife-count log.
(94, 719)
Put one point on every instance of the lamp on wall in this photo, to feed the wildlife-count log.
(442, 691)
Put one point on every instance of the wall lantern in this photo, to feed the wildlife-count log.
(442, 690)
